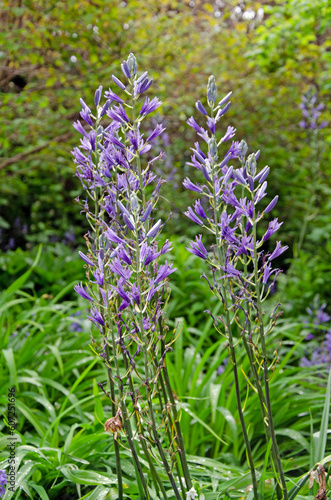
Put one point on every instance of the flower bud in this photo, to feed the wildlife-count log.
(201, 108)
(212, 145)
(134, 202)
(105, 107)
(147, 212)
(128, 222)
(97, 95)
(118, 82)
(154, 229)
(225, 99)
(243, 148)
(251, 164)
(132, 63)
(211, 91)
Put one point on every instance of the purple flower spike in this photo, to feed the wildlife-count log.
(192, 123)
(197, 248)
(82, 292)
(128, 222)
(79, 127)
(221, 112)
(278, 250)
(113, 97)
(262, 175)
(267, 273)
(112, 236)
(118, 114)
(211, 124)
(122, 254)
(123, 209)
(3, 482)
(105, 107)
(119, 289)
(231, 271)
(86, 259)
(117, 268)
(261, 192)
(225, 99)
(152, 291)
(147, 212)
(159, 129)
(231, 131)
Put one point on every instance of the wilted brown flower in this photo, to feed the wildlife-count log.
(114, 425)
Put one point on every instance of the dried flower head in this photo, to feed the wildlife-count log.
(114, 425)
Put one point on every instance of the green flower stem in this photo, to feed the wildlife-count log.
(164, 408)
(183, 458)
(265, 365)
(116, 445)
(147, 377)
(124, 415)
(262, 403)
(145, 345)
(155, 475)
(232, 350)
(258, 386)
(111, 382)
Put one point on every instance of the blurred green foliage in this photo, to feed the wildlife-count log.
(62, 450)
(52, 53)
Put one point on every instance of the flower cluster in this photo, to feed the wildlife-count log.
(320, 354)
(123, 260)
(311, 111)
(127, 271)
(3, 482)
(241, 269)
(235, 196)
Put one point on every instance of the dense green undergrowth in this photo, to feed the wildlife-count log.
(63, 451)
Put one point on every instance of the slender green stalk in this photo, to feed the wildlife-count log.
(155, 475)
(183, 458)
(124, 414)
(232, 350)
(147, 377)
(265, 366)
(116, 445)
(110, 379)
(164, 409)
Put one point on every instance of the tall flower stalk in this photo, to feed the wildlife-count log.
(311, 113)
(127, 280)
(241, 271)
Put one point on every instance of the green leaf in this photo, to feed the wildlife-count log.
(206, 426)
(323, 433)
(87, 477)
(21, 280)
(10, 360)
(40, 490)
